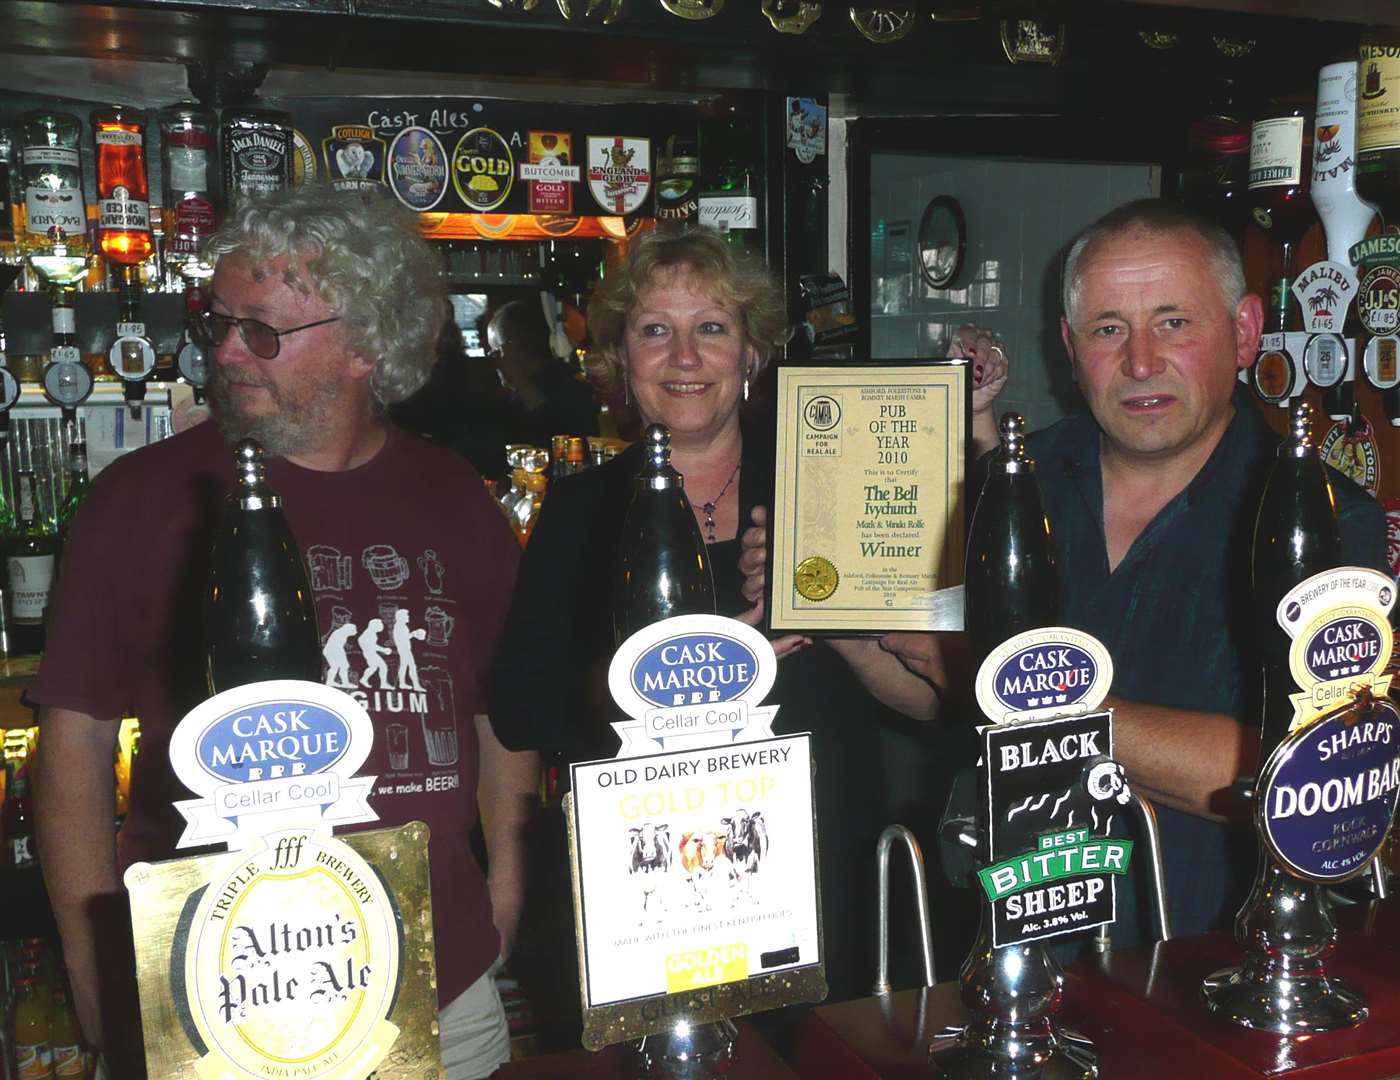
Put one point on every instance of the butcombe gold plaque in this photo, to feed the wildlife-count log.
(869, 501)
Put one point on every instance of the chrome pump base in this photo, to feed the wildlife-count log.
(688, 1051)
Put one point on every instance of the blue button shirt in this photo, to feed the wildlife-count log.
(1174, 615)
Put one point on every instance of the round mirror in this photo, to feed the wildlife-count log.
(942, 241)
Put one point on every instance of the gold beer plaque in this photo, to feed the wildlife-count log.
(867, 532)
(304, 955)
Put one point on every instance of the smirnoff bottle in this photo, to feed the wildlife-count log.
(257, 153)
(1010, 581)
(1295, 536)
(664, 569)
(259, 620)
(189, 218)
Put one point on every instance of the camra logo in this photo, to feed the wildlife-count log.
(694, 668)
(417, 168)
(822, 413)
(483, 169)
(1347, 646)
(1330, 791)
(279, 738)
(293, 963)
(1055, 671)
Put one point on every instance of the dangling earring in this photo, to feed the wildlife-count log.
(626, 389)
(746, 384)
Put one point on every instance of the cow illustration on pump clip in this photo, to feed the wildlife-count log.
(712, 869)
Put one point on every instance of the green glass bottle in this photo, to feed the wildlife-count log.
(29, 564)
(78, 484)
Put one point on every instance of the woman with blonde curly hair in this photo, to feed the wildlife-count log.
(686, 325)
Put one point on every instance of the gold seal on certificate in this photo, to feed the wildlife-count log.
(869, 478)
(816, 578)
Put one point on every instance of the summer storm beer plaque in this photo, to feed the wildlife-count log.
(867, 523)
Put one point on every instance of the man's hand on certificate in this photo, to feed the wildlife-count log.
(753, 564)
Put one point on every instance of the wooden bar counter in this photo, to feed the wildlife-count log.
(1142, 1008)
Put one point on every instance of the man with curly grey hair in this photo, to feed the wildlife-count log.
(324, 309)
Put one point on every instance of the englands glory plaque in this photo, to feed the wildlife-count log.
(867, 530)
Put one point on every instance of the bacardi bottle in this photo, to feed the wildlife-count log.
(664, 569)
(259, 619)
(54, 214)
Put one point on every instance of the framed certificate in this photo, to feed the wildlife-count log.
(868, 506)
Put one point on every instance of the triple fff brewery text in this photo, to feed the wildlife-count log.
(1295, 537)
(259, 620)
(664, 569)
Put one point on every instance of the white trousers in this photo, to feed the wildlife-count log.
(475, 1039)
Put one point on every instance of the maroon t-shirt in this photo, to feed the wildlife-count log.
(412, 566)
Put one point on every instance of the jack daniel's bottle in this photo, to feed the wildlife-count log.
(1295, 537)
(1010, 582)
(259, 620)
(664, 568)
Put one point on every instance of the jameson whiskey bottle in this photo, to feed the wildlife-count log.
(664, 569)
(1010, 578)
(259, 620)
(1295, 536)
(29, 563)
(1378, 124)
(123, 191)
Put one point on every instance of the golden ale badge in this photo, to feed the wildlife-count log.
(483, 169)
(816, 578)
(293, 963)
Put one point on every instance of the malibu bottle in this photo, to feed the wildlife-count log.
(1295, 537)
(664, 569)
(1010, 582)
(259, 620)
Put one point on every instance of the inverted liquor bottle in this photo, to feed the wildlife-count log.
(1378, 124)
(189, 217)
(1214, 180)
(259, 619)
(1295, 537)
(257, 153)
(123, 191)
(1010, 580)
(54, 213)
(663, 569)
(1279, 172)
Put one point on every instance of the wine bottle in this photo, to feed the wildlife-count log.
(29, 563)
(1010, 584)
(664, 569)
(1295, 537)
(259, 619)
(78, 483)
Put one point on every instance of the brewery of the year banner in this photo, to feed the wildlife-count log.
(490, 155)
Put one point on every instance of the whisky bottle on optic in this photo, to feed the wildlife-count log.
(259, 619)
(53, 234)
(1378, 124)
(664, 568)
(257, 153)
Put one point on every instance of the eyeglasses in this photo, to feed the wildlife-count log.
(210, 328)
